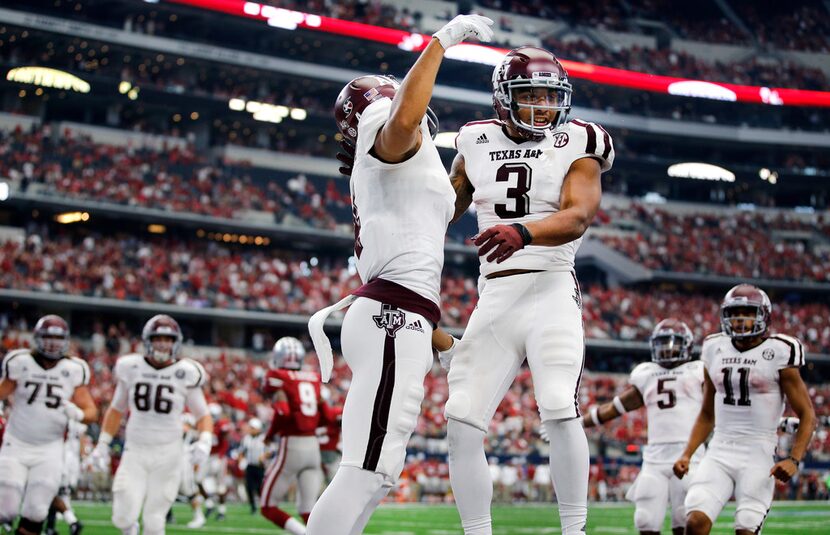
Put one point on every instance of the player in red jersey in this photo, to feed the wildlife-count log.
(298, 412)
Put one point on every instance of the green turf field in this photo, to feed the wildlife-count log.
(802, 518)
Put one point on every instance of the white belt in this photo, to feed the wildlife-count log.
(322, 346)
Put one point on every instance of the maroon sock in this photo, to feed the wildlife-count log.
(305, 516)
(275, 515)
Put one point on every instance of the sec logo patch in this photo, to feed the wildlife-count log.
(560, 139)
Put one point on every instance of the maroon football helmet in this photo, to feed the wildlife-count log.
(51, 336)
(671, 342)
(161, 325)
(525, 69)
(358, 94)
(746, 296)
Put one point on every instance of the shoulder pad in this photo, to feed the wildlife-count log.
(198, 375)
(793, 349)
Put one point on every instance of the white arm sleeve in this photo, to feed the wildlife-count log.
(119, 399)
(196, 403)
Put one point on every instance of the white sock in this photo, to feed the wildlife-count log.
(294, 527)
(69, 516)
(210, 504)
(222, 509)
(348, 502)
(132, 530)
(470, 477)
(569, 466)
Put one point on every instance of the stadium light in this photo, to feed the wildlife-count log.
(416, 42)
(72, 217)
(44, 77)
(4, 191)
(768, 176)
(701, 171)
(269, 113)
(156, 229)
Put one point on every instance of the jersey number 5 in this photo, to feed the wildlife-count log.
(518, 194)
(661, 389)
(144, 403)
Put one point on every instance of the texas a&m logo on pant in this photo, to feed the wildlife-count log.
(391, 319)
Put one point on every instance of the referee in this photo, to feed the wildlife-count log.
(252, 450)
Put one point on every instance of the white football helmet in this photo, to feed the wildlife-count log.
(288, 353)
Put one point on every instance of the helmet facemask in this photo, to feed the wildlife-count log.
(162, 348)
(671, 342)
(669, 349)
(52, 346)
(743, 321)
(543, 94)
(432, 123)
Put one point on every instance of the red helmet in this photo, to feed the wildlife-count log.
(161, 325)
(52, 336)
(746, 296)
(288, 353)
(529, 67)
(671, 341)
(358, 94)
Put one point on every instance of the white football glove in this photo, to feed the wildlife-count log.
(445, 357)
(463, 27)
(99, 459)
(543, 433)
(72, 411)
(200, 450)
(788, 425)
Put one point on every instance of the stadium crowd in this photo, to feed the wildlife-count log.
(171, 179)
(744, 244)
(207, 274)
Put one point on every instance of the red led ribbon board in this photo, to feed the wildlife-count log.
(415, 42)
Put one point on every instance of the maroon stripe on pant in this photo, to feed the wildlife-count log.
(578, 295)
(383, 400)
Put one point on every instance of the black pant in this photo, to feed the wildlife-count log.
(254, 475)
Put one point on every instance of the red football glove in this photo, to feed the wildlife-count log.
(506, 239)
(346, 157)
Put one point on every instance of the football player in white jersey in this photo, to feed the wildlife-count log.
(671, 389)
(748, 373)
(155, 387)
(48, 388)
(62, 503)
(534, 177)
(402, 203)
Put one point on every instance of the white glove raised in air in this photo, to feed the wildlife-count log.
(463, 27)
(445, 357)
(200, 450)
(72, 411)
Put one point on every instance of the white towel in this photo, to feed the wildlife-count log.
(322, 346)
